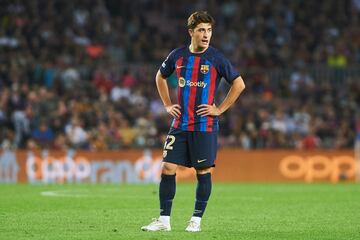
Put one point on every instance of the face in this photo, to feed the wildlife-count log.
(201, 35)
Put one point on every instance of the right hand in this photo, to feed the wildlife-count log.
(174, 110)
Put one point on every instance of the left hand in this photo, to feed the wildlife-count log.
(206, 110)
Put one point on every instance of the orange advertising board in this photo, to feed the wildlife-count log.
(144, 166)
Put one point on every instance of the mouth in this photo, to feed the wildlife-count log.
(205, 41)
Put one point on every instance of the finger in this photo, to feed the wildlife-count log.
(177, 111)
(177, 106)
(203, 105)
(202, 112)
(202, 108)
(206, 112)
(175, 114)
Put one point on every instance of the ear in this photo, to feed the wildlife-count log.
(191, 32)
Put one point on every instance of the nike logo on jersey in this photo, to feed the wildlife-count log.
(179, 66)
(201, 160)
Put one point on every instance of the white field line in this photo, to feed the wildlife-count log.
(65, 193)
(86, 193)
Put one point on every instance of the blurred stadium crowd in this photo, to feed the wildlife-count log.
(81, 73)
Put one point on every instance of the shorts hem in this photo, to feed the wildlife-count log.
(177, 163)
(189, 166)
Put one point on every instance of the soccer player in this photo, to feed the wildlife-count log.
(192, 139)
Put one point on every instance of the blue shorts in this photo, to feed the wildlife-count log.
(190, 149)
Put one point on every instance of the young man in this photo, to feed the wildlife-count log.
(192, 139)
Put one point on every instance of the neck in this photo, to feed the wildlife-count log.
(196, 49)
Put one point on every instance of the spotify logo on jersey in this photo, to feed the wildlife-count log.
(182, 82)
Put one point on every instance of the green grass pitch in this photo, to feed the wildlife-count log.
(235, 211)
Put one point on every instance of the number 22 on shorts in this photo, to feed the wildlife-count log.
(168, 144)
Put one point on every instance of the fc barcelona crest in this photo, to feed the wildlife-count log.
(204, 69)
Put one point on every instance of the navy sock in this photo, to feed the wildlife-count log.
(203, 191)
(166, 193)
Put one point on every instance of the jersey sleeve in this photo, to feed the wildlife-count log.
(168, 66)
(228, 71)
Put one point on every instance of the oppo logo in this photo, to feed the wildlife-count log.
(318, 167)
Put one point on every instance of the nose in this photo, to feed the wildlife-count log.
(207, 34)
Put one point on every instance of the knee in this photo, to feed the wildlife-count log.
(169, 168)
(203, 170)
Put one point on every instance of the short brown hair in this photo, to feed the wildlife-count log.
(199, 17)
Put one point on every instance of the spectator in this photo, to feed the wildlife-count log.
(89, 72)
(43, 135)
(76, 134)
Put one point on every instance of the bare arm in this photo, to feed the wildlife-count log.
(163, 89)
(236, 88)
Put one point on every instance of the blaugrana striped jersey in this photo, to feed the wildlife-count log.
(198, 75)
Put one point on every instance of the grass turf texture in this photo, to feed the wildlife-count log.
(235, 211)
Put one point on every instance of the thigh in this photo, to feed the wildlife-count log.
(176, 148)
(203, 149)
